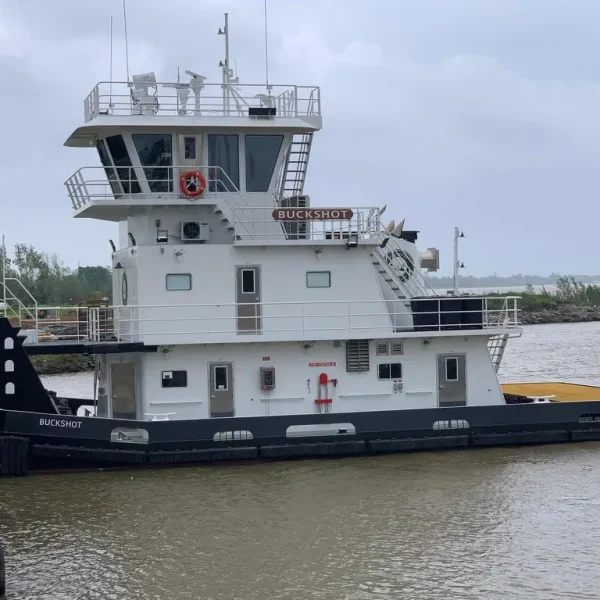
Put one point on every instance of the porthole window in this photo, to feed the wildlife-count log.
(9, 344)
(9, 366)
(9, 389)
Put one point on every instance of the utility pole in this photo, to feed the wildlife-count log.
(457, 264)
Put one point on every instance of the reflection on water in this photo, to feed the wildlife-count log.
(495, 524)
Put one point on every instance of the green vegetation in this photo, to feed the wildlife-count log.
(53, 284)
(569, 292)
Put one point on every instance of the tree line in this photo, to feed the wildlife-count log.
(518, 280)
(50, 282)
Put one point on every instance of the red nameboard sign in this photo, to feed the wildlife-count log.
(312, 214)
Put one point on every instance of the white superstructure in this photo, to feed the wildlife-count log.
(249, 298)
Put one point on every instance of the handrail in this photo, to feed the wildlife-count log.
(120, 183)
(302, 319)
(120, 98)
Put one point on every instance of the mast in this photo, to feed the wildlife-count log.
(225, 66)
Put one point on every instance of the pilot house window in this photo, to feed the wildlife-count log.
(118, 150)
(318, 279)
(155, 152)
(262, 152)
(224, 155)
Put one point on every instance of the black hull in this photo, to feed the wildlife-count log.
(63, 442)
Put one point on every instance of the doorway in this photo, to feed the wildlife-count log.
(452, 381)
(220, 376)
(248, 299)
(122, 385)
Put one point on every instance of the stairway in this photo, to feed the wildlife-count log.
(296, 165)
(397, 268)
(497, 345)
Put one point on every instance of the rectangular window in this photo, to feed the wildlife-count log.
(118, 150)
(357, 356)
(221, 379)
(172, 379)
(224, 153)
(179, 282)
(155, 150)
(390, 371)
(318, 279)
(262, 152)
(248, 281)
(452, 369)
(189, 144)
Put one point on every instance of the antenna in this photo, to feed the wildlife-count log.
(266, 48)
(225, 65)
(111, 62)
(126, 39)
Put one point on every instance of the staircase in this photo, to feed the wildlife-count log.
(14, 309)
(497, 343)
(296, 165)
(397, 268)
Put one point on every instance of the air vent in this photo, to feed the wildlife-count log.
(397, 348)
(382, 348)
(357, 356)
(194, 231)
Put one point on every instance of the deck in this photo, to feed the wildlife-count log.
(557, 391)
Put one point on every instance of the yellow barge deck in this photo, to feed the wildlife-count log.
(555, 391)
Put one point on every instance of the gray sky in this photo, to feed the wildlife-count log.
(477, 113)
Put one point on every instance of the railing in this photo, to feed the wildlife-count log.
(268, 223)
(13, 307)
(179, 99)
(274, 321)
(156, 184)
(402, 268)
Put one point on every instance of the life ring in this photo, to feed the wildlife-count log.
(192, 184)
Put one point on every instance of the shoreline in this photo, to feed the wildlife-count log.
(80, 363)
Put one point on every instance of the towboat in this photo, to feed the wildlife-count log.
(247, 321)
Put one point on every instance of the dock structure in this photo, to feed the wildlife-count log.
(553, 391)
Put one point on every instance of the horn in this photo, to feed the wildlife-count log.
(397, 232)
(382, 210)
(391, 226)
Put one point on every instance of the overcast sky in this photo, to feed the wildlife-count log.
(477, 113)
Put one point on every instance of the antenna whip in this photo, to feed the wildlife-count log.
(126, 40)
(266, 47)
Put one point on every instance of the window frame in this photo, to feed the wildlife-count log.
(215, 388)
(446, 362)
(194, 141)
(389, 365)
(211, 139)
(318, 286)
(181, 374)
(262, 190)
(152, 172)
(178, 275)
(253, 271)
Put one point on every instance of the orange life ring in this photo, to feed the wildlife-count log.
(192, 184)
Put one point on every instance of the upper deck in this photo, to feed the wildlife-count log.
(177, 105)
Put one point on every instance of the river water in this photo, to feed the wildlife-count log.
(520, 523)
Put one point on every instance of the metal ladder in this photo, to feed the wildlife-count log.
(497, 343)
(296, 165)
